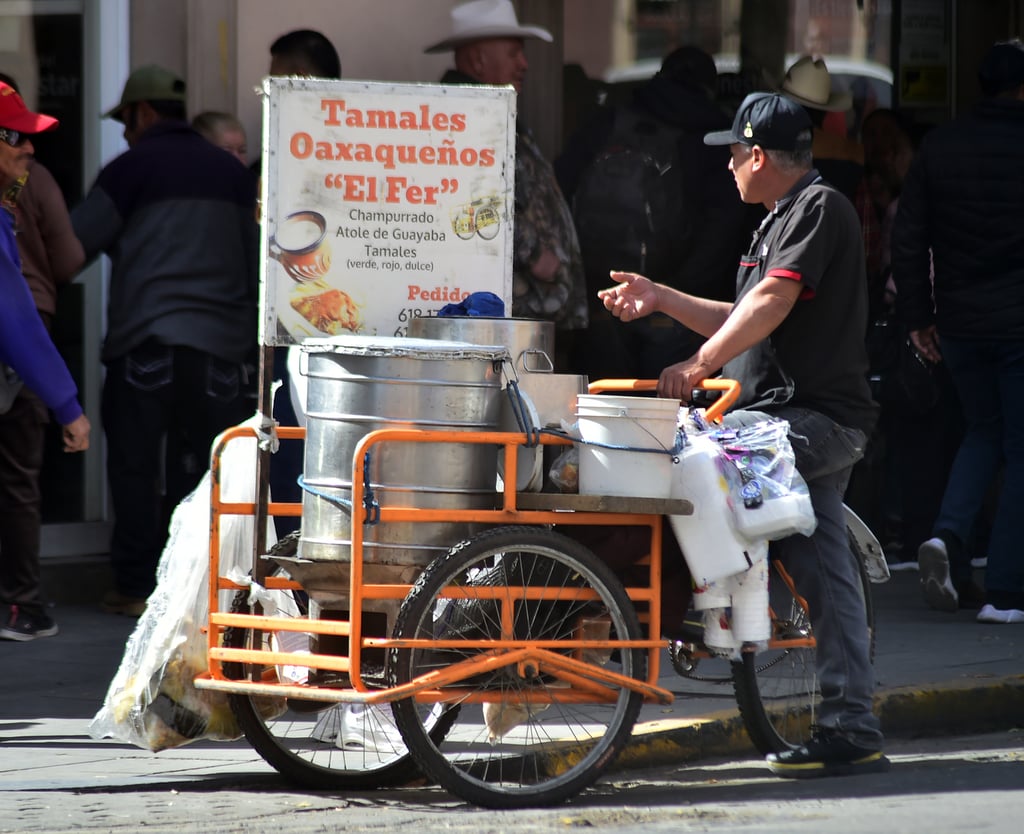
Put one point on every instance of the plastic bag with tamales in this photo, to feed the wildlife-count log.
(152, 701)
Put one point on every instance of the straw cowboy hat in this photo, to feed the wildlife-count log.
(807, 82)
(481, 19)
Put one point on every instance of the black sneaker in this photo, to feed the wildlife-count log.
(23, 625)
(826, 754)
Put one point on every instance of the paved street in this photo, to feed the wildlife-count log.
(937, 673)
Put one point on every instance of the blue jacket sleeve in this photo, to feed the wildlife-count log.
(27, 347)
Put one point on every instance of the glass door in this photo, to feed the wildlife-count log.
(45, 46)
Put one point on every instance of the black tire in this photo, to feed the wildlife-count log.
(555, 751)
(777, 690)
(299, 739)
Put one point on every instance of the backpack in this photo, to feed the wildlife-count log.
(630, 209)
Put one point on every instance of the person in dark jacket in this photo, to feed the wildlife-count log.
(962, 210)
(714, 223)
(306, 53)
(175, 215)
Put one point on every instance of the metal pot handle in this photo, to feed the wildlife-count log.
(538, 370)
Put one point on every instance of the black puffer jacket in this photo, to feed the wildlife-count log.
(963, 199)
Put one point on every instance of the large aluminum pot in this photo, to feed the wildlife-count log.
(359, 384)
(530, 342)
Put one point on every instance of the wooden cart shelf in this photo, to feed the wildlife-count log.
(555, 501)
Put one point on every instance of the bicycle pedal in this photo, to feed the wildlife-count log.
(687, 632)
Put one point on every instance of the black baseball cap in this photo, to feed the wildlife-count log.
(769, 120)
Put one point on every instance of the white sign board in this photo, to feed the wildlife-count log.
(381, 203)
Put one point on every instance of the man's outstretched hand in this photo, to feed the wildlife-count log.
(633, 296)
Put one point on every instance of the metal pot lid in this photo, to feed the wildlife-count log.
(383, 346)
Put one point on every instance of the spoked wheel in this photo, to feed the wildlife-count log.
(521, 739)
(777, 690)
(316, 744)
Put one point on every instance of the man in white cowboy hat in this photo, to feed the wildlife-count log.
(548, 282)
(839, 159)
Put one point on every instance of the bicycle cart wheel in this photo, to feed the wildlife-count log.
(488, 223)
(321, 745)
(524, 746)
(777, 690)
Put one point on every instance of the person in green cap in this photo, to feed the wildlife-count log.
(175, 215)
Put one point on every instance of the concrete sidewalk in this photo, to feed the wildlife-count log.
(936, 672)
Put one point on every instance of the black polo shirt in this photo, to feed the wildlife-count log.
(816, 358)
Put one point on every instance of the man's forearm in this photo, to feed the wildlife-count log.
(701, 315)
(751, 321)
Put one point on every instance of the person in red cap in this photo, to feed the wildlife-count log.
(27, 355)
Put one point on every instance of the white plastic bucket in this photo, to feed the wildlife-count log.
(634, 423)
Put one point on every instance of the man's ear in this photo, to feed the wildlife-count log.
(477, 58)
(758, 158)
(148, 116)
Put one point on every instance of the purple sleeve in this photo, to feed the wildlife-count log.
(27, 347)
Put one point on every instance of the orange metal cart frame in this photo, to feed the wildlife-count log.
(588, 682)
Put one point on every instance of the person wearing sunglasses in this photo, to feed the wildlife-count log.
(27, 356)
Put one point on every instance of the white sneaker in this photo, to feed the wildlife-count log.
(990, 614)
(936, 585)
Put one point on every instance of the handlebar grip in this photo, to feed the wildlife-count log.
(730, 389)
(600, 386)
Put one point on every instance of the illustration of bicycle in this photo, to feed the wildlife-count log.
(481, 217)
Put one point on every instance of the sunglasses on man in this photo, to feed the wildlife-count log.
(14, 138)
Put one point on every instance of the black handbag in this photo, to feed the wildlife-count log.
(900, 376)
(913, 384)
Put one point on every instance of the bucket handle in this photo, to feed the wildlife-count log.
(677, 447)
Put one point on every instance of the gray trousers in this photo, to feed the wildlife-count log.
(826, 575)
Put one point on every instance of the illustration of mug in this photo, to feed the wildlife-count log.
(300, 245)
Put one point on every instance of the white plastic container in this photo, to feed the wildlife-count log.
(750, 620)
(775, 517)
(635, 423)
(710, 542)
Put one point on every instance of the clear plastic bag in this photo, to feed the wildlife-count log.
(152, 701)
(564, 472)
(770, 497)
